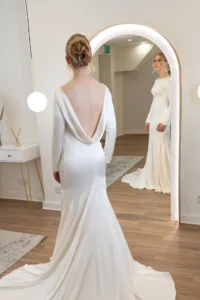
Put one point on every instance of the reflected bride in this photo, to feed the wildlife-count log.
(156, 174)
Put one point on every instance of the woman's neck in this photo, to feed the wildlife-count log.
(81, 72)
(163, 74)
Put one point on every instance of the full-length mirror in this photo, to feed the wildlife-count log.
(138, 75)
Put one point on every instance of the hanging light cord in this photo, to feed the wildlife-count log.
(31, 55)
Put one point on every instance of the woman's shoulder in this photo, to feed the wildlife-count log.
(168, 81)
(167, 78)
(59, 89)
(101, 87)
(163, 82)
(93, 84)
(67, 86)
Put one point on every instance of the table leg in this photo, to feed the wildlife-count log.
(24, 183)
(39, 176)
(29, 184)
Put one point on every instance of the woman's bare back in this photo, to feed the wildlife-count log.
(86, 96)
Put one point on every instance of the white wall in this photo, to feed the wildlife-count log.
(131, 89)
(95, 62)
(15, 86)
(137, 97)
(52, 22)
(127, 58)
(118, 87)
(105, 70)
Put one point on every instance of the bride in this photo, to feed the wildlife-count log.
(91, 259)
(156, 174)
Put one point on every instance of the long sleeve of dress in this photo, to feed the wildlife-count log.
(167, 113)
(110, 131)
(58, 136)
(148, 120)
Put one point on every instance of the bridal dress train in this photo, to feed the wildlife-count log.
(91, 259)
(156, 174)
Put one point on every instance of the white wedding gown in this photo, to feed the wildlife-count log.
(91, 259)
(156, 174)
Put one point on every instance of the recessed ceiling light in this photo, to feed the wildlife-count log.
(129, 40)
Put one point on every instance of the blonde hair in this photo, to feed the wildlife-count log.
(78, 51)
(165, 60)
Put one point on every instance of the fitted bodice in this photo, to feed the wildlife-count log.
(161, 106)
(161, 87)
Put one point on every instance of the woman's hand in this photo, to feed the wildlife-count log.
(147, 125)
(56, 176)
(161, 127)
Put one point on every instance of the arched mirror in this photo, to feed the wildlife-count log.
(125, 59)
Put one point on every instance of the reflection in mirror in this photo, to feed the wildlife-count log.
(129, 66)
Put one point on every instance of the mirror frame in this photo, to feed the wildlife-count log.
(174, 62)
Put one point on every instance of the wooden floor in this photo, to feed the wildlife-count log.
(135, 204)
(144, 217)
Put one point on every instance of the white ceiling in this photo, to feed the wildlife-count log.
(123, 40)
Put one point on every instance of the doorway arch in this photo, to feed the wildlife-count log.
(167, 49)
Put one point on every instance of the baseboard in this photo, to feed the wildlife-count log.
(135, 131)
(119, 134)
(19, 196)
(190, 219)
(51, 206)
(129, 132)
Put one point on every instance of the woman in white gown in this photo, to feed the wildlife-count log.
(156, 174)
(91, 259)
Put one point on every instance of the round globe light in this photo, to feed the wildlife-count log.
(37, 102)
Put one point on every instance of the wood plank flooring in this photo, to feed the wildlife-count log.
(144, 217)
(135, 204)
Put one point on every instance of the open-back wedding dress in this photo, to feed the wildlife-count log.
(91, 259)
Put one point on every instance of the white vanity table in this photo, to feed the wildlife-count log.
(22, 155)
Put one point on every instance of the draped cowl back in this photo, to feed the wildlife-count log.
(66, 120)
(74, 123)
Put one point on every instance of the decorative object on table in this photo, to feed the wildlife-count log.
(16, 136)
(14, 245)
(119, 166)
(1, 117)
